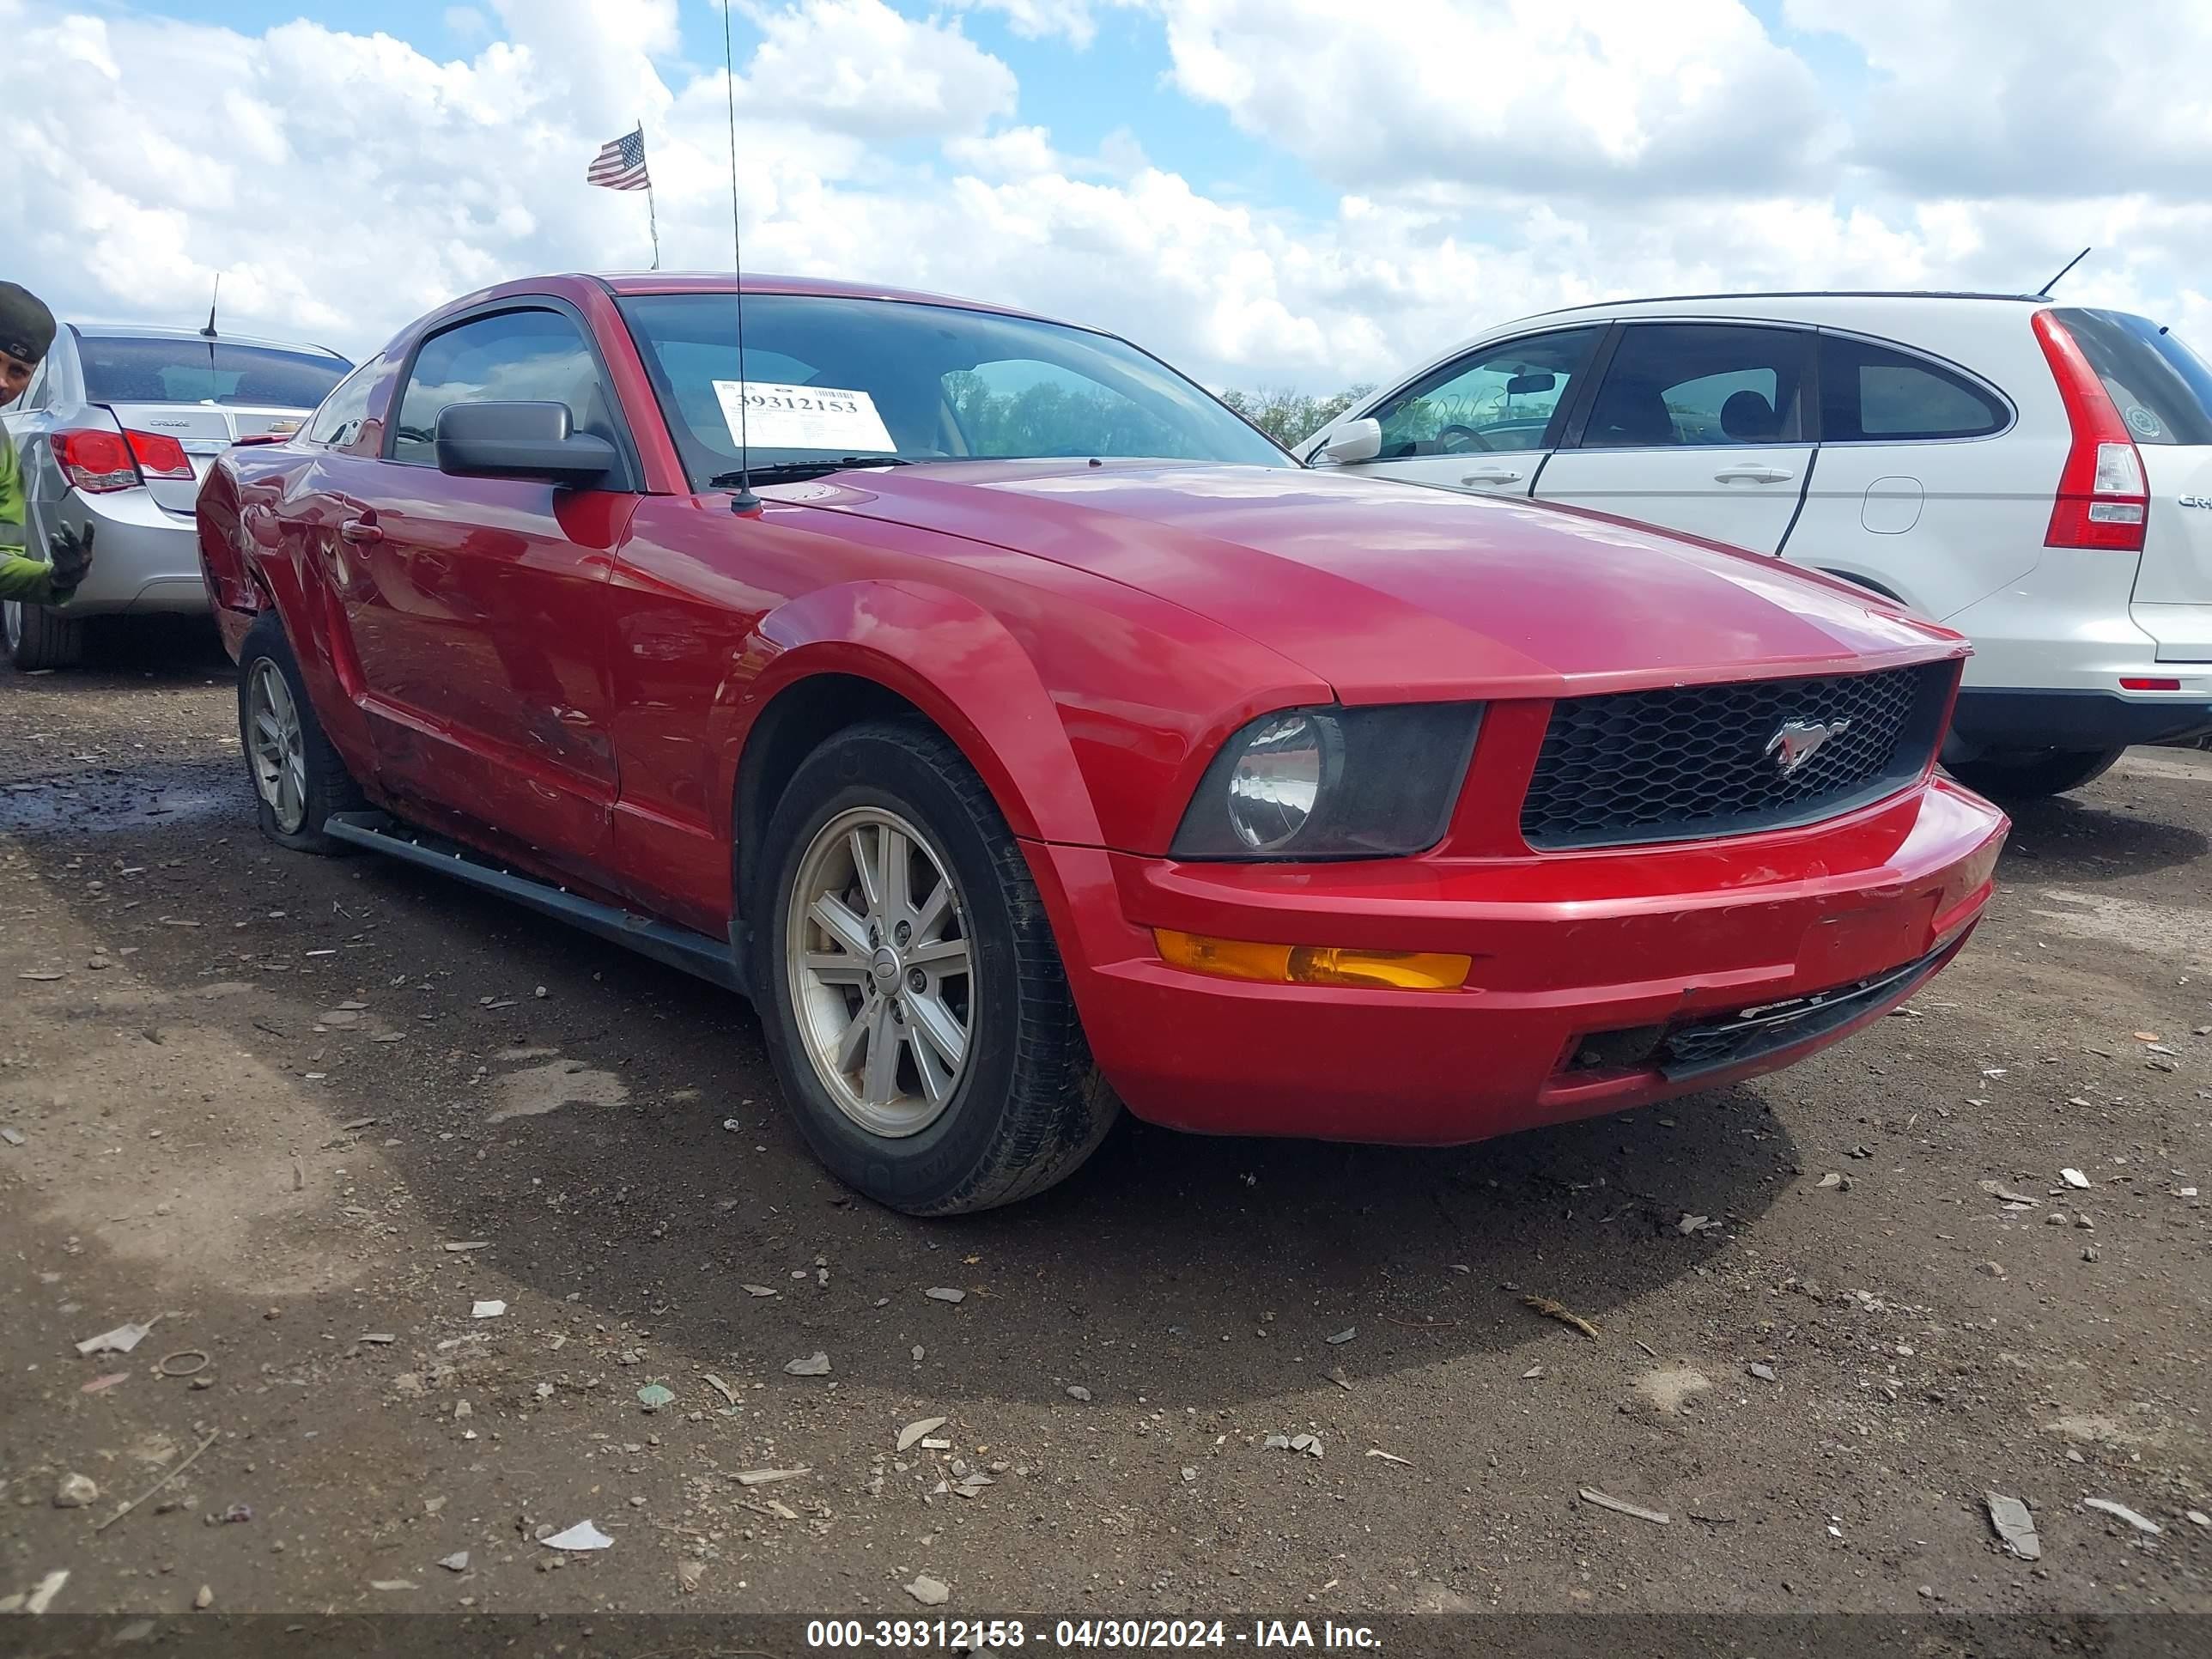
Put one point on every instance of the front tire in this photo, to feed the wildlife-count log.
(917, 1010)
(298, 779)
(41, 637)
(2034, 773)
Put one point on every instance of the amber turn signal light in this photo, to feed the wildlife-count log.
(1312, 964)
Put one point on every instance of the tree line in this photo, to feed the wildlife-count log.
(1288, 417)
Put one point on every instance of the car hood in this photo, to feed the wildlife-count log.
(1391, 591)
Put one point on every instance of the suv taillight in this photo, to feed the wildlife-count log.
(100, 462)
(2103, 500)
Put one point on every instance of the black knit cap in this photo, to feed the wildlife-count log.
(26, 327)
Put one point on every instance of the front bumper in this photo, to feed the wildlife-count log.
(145, 561)
(1570, 952)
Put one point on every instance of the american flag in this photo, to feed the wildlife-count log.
(620, 164)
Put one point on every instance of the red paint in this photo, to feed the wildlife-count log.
(478, 616)
(1563, 949)
(571, 679)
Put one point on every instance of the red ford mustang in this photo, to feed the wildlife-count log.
(1043, 738)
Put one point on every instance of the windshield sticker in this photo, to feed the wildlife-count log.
(2143, 421)
(778, 416)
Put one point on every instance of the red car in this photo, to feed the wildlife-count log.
(1043, 738)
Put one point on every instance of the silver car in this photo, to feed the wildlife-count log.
(115, 431)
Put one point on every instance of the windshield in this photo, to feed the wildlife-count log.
(164, 371)
(825, 378)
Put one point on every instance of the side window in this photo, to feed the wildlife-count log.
(1701, 383)
(1870, 394)
(1503, 397)
(532, 356)
(338, 422)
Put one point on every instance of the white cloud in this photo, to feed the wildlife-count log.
(1614, 96)
(1075, 20)
(345, 182)
(1016, 153)
(591, 59)
(857, 66)
(2030, 99)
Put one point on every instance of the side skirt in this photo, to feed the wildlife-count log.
(711, 959)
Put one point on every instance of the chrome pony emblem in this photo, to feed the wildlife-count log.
(1797, 741)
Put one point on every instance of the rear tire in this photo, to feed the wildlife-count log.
(2034, 773)
(40, 637)
(887, 831)
(298, 779)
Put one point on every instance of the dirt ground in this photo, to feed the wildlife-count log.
(312, 1113)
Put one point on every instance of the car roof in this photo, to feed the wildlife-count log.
(1764, 295)
(153, 332)
(1829, 307)
(624, 283)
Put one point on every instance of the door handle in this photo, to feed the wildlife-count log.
(361, 531)
(1753, 475)
(1495, 476)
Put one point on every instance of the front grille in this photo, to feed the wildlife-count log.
(1696, 761)
(1749, 1034)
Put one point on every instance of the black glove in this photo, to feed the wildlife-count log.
(69, 555)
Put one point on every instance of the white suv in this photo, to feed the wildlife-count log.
(2036, 475)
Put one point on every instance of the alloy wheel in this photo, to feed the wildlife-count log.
(882, 977)
(278, 747)
(13, 622)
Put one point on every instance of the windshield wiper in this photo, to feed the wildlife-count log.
(797, 472)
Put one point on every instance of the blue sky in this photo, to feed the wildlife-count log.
(1268, 192)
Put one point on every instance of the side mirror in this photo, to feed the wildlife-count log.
(1355, 440)
(520, 440)
(1523, 385)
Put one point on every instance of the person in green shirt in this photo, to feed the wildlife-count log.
(27, 329)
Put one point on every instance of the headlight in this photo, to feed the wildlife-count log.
(1332, 783)
(1276, 779)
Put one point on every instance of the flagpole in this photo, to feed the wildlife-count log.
(652, 215)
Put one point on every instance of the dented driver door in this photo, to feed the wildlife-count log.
(476, 604)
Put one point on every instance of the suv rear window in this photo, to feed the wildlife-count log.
(1871, 394)
(2162, 389)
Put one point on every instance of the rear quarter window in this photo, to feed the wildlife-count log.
(2162, 389)
(338, 421)
(1870, 394)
